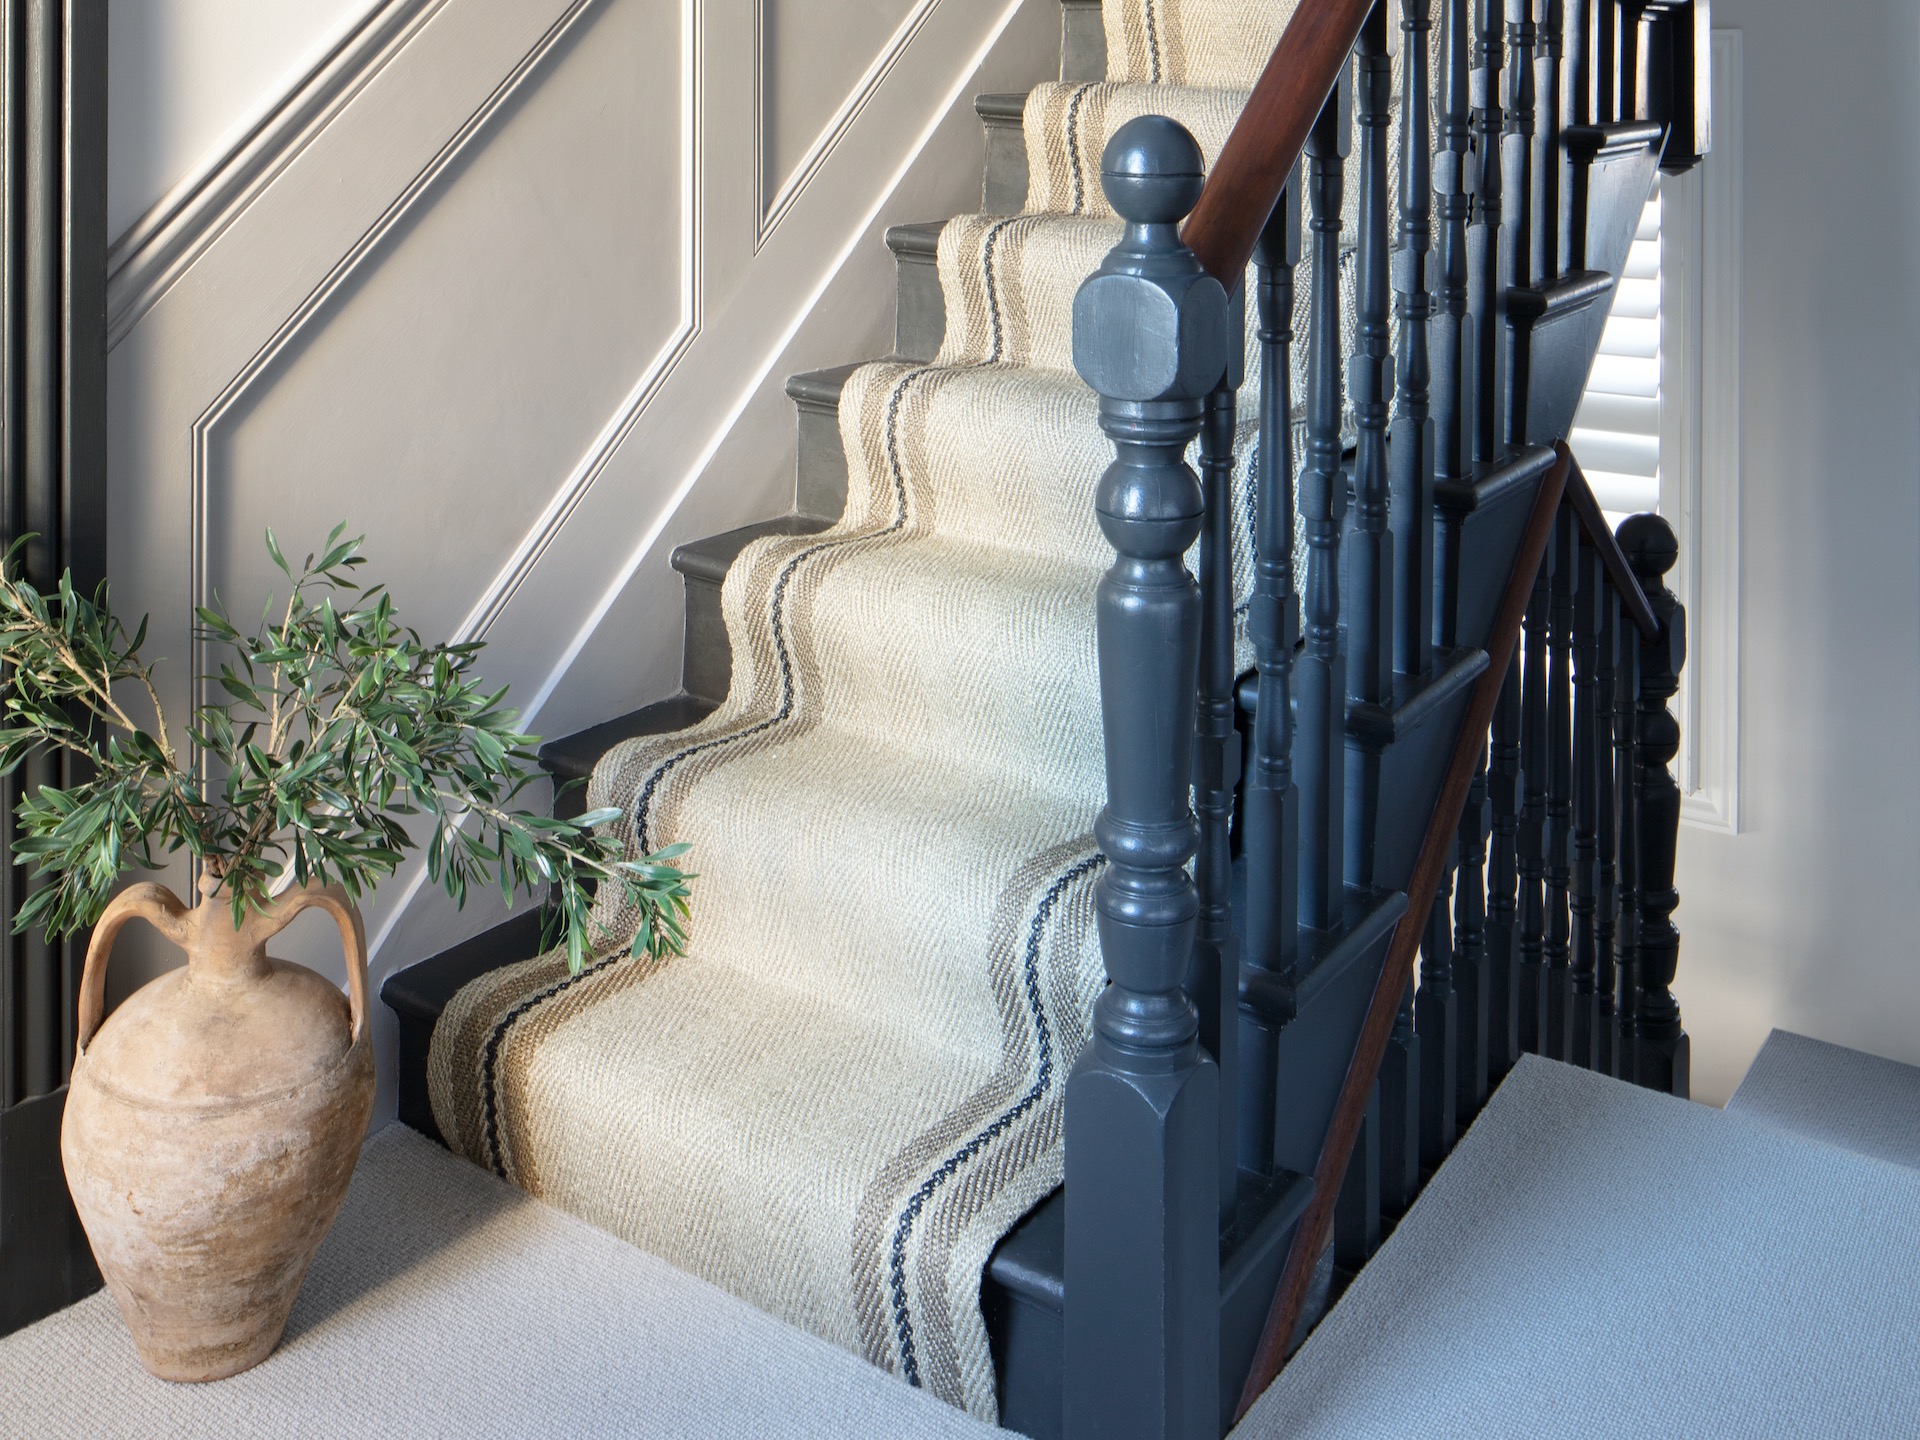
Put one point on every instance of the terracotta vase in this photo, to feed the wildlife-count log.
(213, 1124)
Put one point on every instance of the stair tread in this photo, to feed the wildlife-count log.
(573, 757)
(1830, 1093)
(710, 557)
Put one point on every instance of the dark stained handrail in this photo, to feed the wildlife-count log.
(1266, 142)
(1350, 1109)
(1586, 507)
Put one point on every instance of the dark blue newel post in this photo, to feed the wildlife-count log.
(1142, 1323)
(1661, 1048)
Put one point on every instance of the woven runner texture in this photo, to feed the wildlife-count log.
(851, 1086)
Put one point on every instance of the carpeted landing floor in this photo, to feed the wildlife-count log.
(1594, 1260)
(1598, 1260)
(446, 1303)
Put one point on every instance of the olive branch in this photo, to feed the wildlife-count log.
(337, 726)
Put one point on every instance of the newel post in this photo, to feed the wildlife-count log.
(1142, 1328)
(1661, 1048)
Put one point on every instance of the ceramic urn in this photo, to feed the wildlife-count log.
(213, 1123)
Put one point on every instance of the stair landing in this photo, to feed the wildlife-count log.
(1600, 1260)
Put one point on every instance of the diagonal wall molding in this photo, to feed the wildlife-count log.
(159, 246)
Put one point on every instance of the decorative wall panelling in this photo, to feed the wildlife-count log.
(507, 284)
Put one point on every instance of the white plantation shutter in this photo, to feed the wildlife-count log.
(1616, 433)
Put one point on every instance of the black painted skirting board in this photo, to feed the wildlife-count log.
(45, 1261)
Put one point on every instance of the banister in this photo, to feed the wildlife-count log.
(1586, 507)
(1267, 140)
(1290, 1298)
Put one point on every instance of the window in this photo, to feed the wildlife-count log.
(1659, 429)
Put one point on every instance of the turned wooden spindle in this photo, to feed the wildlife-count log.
(1453, 203)
(1411, 455)
(1661, 1047)
(1626, 722)
(1470, 978)
(1486, 276)
(1516, 246)
(1216, 770)
(1368, 593)
(1321, 683)
(1548, 152)
(1503, 877)
(1270, 816)
(1559, 816)
(1583, 886)
(1607, 838)
(1535, 767)
(1437, 1015)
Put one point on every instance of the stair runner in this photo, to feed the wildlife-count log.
(851, 1086)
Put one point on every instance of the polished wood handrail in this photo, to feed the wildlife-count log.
(1586, 508)
(1350, 1109)
(1266, 142)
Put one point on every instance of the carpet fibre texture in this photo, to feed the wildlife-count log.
(446, 1303)
(1599, 1260)
(1830, 1093)
(850, 1088)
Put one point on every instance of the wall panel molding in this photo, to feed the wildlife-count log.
(776, 194)
(162, 243)
(447, 247)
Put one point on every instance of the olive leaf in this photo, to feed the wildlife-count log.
(336, 726)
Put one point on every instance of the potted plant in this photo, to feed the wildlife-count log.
(213, 1121)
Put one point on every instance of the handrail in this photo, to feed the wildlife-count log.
(1586, 507)
(1350, 1109)
(1266, 142)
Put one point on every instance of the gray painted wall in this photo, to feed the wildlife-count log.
(1804, 920)
(519, 302)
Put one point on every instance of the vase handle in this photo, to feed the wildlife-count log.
(353, 940)
(148, 901)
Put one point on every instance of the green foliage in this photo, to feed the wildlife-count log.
(336, 728)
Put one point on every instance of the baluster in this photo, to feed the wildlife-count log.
(1470, 951)
(1634, 54)
(1320, 764)
(1503, 877)
(1583, 894)
(1547, 149)
(1142, 1117)
(1606, 56)
(1271, 808)
(1626, 691)
(1534, 770)
(1438, 1019)
(1661, 1047)
(1370, 383)
(1452, 181)
(1559, 828)
(1411, 454)
(1485, 302)
(1607, 804)
(1217, 953)
(1397, 1095)
(1356, 1214)
(1576, 108)
(1517, 152)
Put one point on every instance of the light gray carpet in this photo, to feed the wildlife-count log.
(1597, 1260)
(1828, 1092)
(447, 1303)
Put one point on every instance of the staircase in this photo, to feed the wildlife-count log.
(850, 1103)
